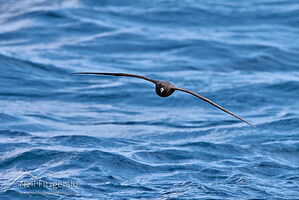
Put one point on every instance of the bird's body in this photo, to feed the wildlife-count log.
(165, 89)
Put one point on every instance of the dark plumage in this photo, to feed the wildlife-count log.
(165, 89)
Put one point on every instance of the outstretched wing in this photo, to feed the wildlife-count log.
(119, 74)
(214, 104)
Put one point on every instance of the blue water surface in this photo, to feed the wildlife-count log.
(113, 137)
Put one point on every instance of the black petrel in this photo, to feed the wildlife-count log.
(165, 89)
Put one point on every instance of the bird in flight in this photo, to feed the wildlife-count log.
(165, 89)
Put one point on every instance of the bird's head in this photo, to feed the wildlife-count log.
(164, 88)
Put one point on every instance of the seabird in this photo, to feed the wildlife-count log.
(165, 89)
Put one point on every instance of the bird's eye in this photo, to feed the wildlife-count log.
(161, 89)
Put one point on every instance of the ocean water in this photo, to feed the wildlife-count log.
(66, 136)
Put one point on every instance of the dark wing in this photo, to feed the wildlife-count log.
(214, 104)
(119, 74)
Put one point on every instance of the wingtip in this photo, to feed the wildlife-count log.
(249, 123)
